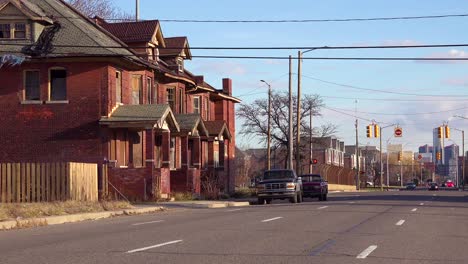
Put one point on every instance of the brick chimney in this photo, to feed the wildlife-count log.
(227, 86)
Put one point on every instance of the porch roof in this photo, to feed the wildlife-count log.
(218, 128)
(192, 123)
(157, 116)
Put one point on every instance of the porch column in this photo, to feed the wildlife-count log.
(184, 149)
(196, 152)
(165, 148)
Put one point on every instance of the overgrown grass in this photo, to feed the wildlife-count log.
(183, 196)
(243, 193)
(31, 210)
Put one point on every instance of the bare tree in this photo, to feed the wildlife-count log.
(255, 117)
(102, 8)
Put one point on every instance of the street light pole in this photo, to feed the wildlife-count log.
(298, 124)
(269, 125)
(290, 134)
(381, 163)
(310, 141)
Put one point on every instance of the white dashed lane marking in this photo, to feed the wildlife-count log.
(323, 207)
(271, 219)
(414, 209)
(366, 252)
(146, 223)
(154, 246)
(399, 223)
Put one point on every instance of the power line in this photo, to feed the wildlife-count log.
(395, 99)
(406, 114)
(268, 48)
(315, 20)
(380, 91)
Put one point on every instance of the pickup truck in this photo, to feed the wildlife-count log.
(279, 184)
(315, 186)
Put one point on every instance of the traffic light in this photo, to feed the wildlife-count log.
(438, 155)
(400, 156)
(440, 132)
(447, 132)
(376, 131)
(369, 131)
(314, 161)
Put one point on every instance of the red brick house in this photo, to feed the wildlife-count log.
(73, 91)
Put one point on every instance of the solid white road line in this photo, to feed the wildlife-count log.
(155, 246)
(351, 202)
(233, 210)
(323, 207)
(414, 210)
(145, 223)
(366, 252)
(271, 219)
(399, 223)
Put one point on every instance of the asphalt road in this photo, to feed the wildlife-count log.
(389, 227)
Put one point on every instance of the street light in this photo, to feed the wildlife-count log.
(381, 164)
(298, 125)
(269, 125)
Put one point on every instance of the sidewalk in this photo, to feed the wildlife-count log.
(61, 219)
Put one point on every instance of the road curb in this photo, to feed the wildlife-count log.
(209, 205)
(62, 219)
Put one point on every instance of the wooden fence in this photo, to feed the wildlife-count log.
(47, 182)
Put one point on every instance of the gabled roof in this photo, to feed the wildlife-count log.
(71, 35)
(191, 123)
(137, 31)
(30, 10)
(133, 115)
(176, 46)
(218, 128)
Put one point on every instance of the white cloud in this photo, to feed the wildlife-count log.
(453, 54)
(463, 81)
(406, 42)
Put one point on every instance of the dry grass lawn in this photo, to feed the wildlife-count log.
(29, 210)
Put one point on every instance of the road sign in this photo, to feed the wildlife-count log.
(419, 157)
(398, 132)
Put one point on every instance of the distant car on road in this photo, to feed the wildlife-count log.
(433, 186)
(410, 186)
(315, 186)
(449, 184)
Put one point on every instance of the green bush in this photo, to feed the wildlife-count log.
(183, 196)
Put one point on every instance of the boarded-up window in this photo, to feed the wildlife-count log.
(155, 93)
(196, 104)
(136, 147)
(207, 109)
(118, 86)
(58, 85)
(137, 89)
(171, 97)
(32, 89)
(122, 148)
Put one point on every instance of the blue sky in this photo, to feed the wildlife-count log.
(428, 78)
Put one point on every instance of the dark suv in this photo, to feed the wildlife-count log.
(279, 184)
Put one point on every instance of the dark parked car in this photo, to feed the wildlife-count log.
(315, 186)
(279, 184)
(433, 186)
(410, 186)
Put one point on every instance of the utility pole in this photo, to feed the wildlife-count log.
(310, 141)
(463, 162)
(357, 157)
(269, 126)
(381, 162)
(401, 173)
(291, 137)
(137, 10)
(298, 125)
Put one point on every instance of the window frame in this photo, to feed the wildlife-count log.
(9, 30)
(196, 110)
(49, 88)
(149, 90)
(171, 103)
(24, 98)
(16, 30)
(140, 89)
(118, 82)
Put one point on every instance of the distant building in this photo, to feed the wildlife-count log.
(426, 149)
(451, 161)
